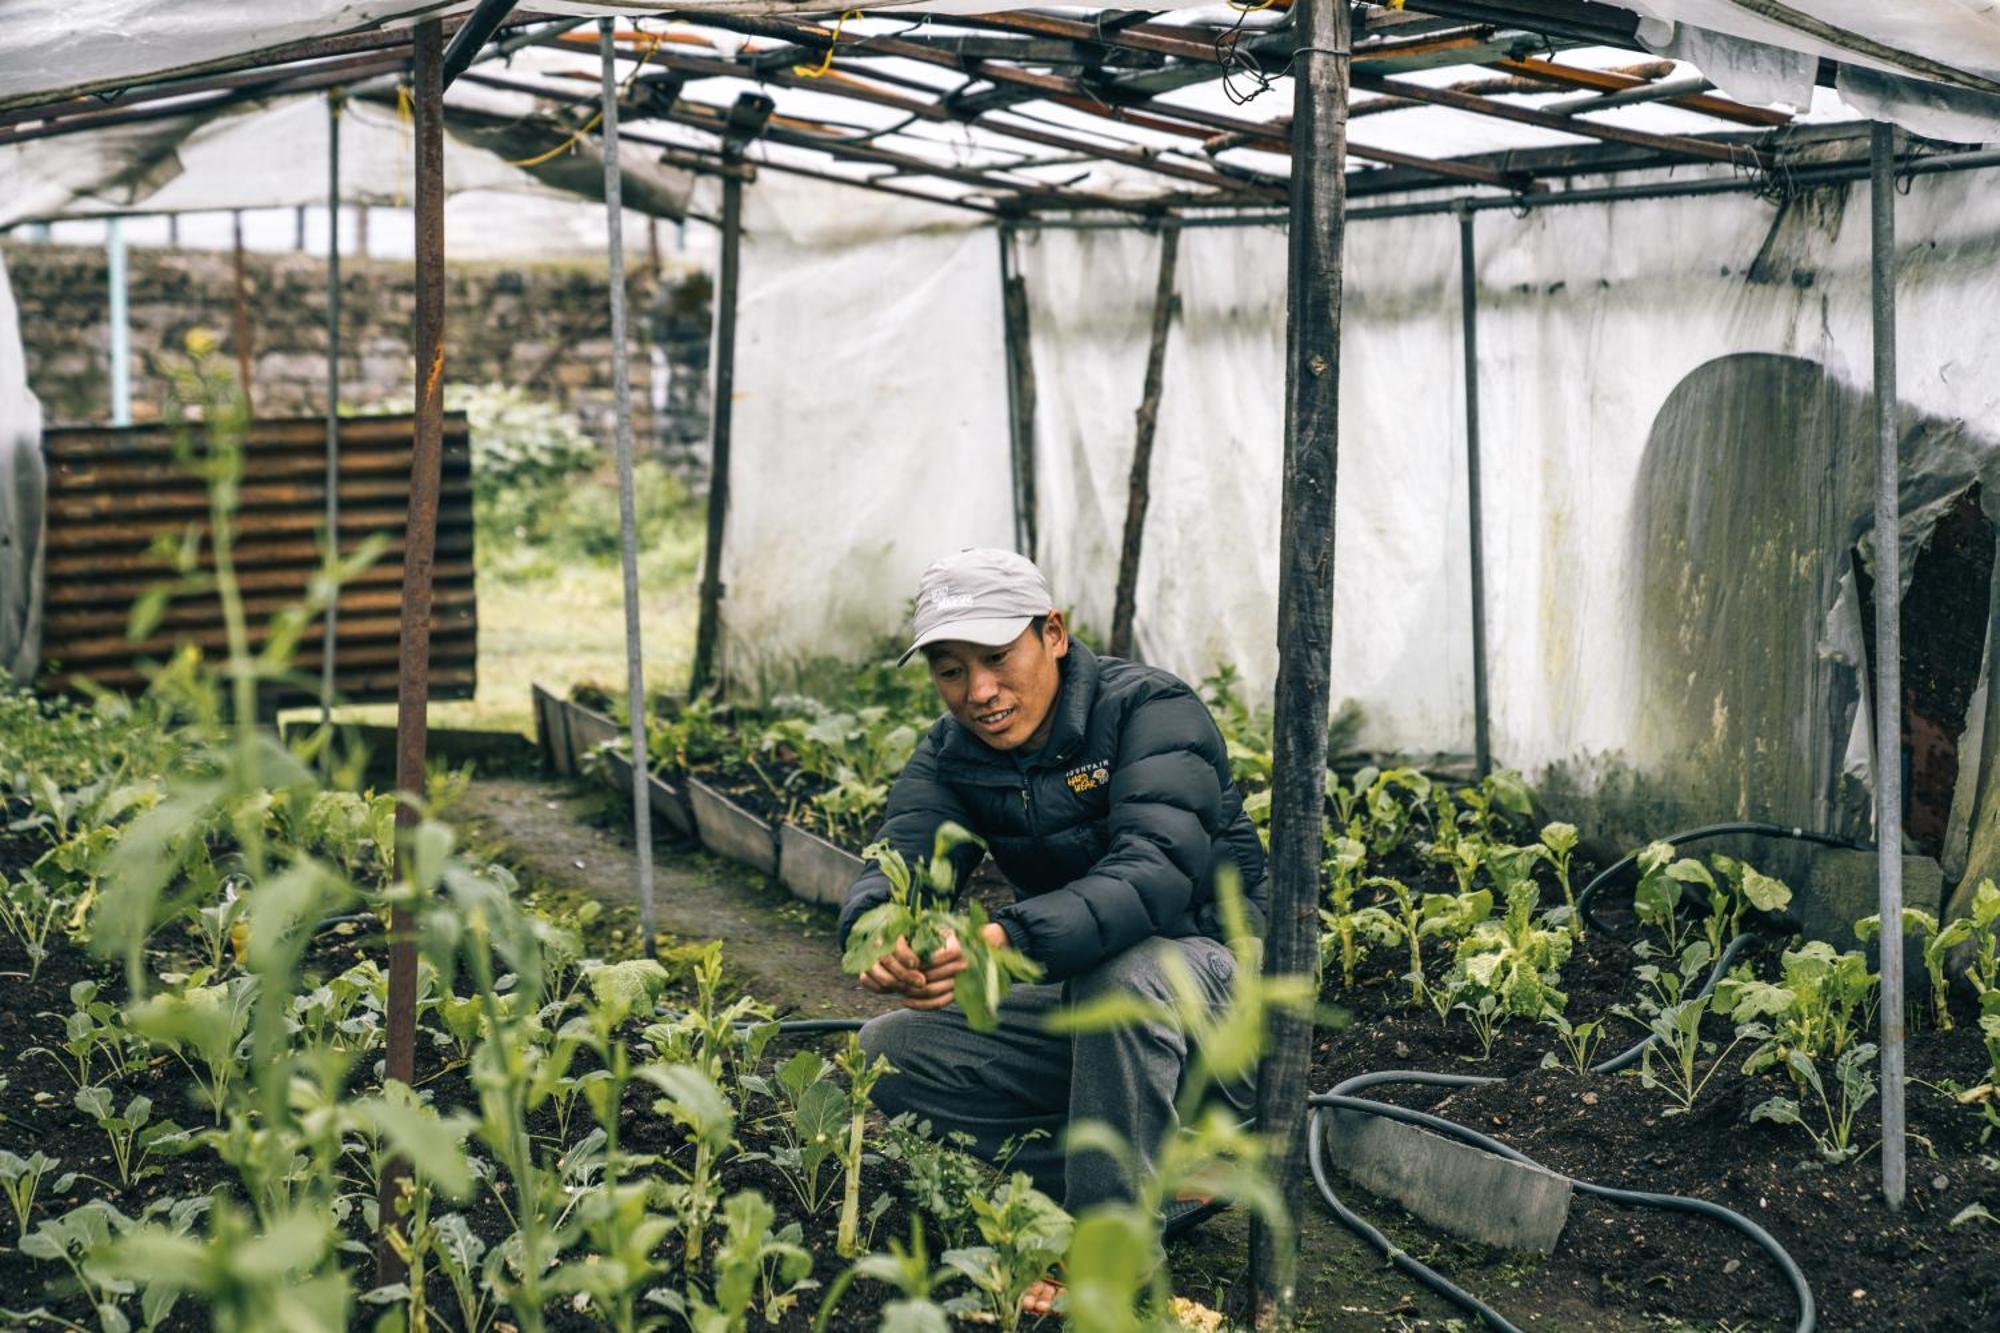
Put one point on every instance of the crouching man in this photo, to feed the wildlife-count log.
(1103, 790)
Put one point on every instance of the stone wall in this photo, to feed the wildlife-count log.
(545, 327)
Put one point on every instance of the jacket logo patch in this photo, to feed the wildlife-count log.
(1087, 777)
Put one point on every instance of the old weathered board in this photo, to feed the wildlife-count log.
(115, 493)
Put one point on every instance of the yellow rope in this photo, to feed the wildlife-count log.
(826, 63)
(652, 41)
(1266, 4)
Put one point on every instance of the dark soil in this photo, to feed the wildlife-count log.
(37, 1113)
(1868, 1268)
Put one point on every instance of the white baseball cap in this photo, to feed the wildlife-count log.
(979, 595)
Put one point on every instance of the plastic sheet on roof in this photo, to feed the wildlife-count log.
(1676, 409)
(1960, 35)
(22, 492)
(274, 155)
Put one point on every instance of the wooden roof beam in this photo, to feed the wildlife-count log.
(1615, 81)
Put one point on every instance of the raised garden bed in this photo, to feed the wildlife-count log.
(727, 829)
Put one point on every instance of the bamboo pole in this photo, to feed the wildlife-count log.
(1305, 614)
(1139, 490)
(1020, 388)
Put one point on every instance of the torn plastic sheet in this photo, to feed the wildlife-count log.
(271, 155)
(1750, 72)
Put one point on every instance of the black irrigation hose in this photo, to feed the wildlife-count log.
(1764, 930)
(1754, 827)
(1340, 1099)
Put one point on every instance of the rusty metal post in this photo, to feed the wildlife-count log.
(628, 519)
(419, 555)
(1468, 298)
(328, 649)
(1305, 616)
(708, 627)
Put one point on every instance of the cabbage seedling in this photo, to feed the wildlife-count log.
(861, 1079)
(1558, 842)
(1855, 1088)
(1937, 945)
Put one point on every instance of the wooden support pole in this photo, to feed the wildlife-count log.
(1140, 490)
(1305, 614)
(1468, 307)
(413, 677)
(1020, 389)
(1888, 683)
(708, 626)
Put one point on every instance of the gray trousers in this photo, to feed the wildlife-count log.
(1002, 1084)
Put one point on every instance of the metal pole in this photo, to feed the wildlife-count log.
(1305, 612)
(413, 676)
(1888, 651)
(1468, 290)
(628, 520)
(121, 324)
(712, 590)
(329, 643)
(240, 311)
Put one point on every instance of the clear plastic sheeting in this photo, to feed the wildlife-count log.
(1946, 40)
(22, 498)
(870, 419)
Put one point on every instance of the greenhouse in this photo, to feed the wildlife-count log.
(731, 666)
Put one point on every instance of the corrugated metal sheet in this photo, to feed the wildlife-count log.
(116, 492)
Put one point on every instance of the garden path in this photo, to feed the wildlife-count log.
(779, 949)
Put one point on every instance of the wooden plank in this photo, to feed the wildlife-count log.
(1139, 488)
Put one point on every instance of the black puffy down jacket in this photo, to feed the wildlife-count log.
(1111, 835)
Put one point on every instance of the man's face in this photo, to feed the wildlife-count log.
(1005, 696)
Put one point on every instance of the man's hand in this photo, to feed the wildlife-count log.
(926, 986)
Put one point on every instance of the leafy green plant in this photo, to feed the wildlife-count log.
(204, 1026)
(1937, 950)
(1743, 889)
(21, 1180)
(1663, 877)
(815, 1117)
(754, 1268)
(29, 912)
(1346, 929)
(701, 1108)
(909, 1272)
(1677, 1040)
(1024, 1234)
(91, 1032)
(78, 1240)
(911, 914)
(1499, 796)
(1815, 1007)
(1981, 932)
(1516, 958)
(1391, 800)
(1579, 1043)
(249, 1279)
(1559, 844)
(132, 1136)
(939, 1174)
(1854, 1085)
(862, 1076)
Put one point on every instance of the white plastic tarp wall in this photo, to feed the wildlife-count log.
(870, 418)
(1590, 319)
(21, 500)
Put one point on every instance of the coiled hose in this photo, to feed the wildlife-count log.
(1766, 928)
